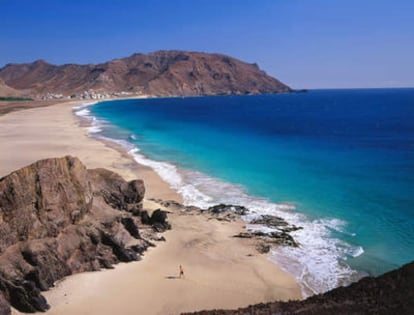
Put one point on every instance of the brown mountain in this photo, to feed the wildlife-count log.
(162, 73)
(7, 91)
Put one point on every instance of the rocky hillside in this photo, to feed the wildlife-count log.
(58, 218)
(162, 73)
(391, 293)
(7, 91)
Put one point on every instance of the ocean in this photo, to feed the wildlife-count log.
(339, 163)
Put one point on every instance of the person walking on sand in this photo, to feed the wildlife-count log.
(181, 272)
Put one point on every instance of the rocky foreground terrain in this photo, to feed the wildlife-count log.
(162, 73)
(57, 218)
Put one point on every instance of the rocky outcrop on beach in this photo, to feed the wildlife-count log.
(58, 218)
(391, 293)
(277, 235)
(266, 240)
(275, 222)
(161, 73)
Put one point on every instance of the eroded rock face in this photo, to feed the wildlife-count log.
(116, 192)
(40, 200)
(58, 218)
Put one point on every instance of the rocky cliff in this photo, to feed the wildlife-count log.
(58, 218)
(162, 73)
(391, 293)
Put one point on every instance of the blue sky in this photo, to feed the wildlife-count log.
(304, 43)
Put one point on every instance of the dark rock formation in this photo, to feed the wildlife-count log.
(116, 192)
(159, 220)
(268, 239)
(262, 247)
(162, 73)
(391, 293)
(281, 237)
(275, 222)
(58, 218)
(130, 226)
(223, 212)
(145, 218)
(217, 209)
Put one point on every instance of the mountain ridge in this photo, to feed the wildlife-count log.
(160, 73)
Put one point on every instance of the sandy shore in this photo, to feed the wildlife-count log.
(32, 134)
(221, 271)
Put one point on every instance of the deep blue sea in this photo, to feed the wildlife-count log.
(340, 163)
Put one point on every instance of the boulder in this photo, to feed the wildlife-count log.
(159, 220)
(217, 209)
(145, 218)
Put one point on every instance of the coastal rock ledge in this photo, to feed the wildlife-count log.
(58, 218)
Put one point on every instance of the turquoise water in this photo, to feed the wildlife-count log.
(338, 162)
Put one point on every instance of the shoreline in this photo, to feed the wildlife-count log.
(205, 248)
(204, 191)
(57, 132)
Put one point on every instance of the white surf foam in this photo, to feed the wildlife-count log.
(318, 263)
(169, 173)
(83, 112)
